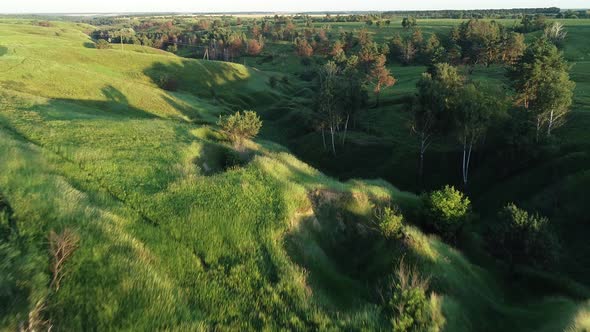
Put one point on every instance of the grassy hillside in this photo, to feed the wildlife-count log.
(175, 235)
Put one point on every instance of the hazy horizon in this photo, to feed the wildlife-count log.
(179, 6)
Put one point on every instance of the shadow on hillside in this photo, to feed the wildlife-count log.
(3, 50)
(116, 106)
(221, 83)
(114, 95)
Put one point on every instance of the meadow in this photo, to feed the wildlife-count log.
(175, 235)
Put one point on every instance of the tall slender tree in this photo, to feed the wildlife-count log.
(543, 88)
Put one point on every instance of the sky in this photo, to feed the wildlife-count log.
(118, 6)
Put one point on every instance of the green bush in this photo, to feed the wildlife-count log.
(102, 44)
(408, 308)
(168, 82)
(273, 81)
(522, 237)
(390, 222)
(446, 211)
(172, 48)
(240, 126)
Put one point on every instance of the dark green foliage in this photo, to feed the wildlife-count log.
(524, 238)
(273, 81)
(446, 211)
(102, 44)
(168, 82)
(240, 126)
(409, 22)
(543, 86)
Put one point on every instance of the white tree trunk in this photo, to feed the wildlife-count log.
(345, 128)
(550, 126)
(332, 132)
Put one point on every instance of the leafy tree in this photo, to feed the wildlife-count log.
(475, 112)
(326, 101)
(240, 126)
(354, 94)
(513, 48)
(436, 96)
(254, 47)
(523, 237)
(303, 48)
(409, 22)
(380, 76)
(541, 80)
(404, 49)
(447, 210)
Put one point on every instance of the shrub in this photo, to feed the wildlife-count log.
(446, 211)
(408, 307)
(240, 126)
(285, 80)
(523, 237)
(390, 222)
(45, 24)
(172, 48)
(168, 82)
(102, 44)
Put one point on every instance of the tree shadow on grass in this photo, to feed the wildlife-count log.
(3, 50)
(116, 106)
(223, 83)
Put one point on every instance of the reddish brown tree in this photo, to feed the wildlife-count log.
(254, 47)
(380, 76)
(303, 48)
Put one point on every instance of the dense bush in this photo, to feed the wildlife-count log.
(446, 211)
(390, 222)
(522, 237)
(240, 126)
(168, 82)
(102, 44)
(408, 307)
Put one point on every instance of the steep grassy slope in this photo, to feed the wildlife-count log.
(173, 234)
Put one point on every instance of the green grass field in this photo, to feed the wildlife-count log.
(173, 238)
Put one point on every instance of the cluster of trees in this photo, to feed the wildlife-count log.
(521, 237)
(516, 235)
(414, 49)
(574, 14)
(476, 13)
(357, 64)
(472, 42)
(530, 23)
(448, 104)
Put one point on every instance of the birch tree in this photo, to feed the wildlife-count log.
(436, 97)
(473, 117)
(542, 85)
(327, 101)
